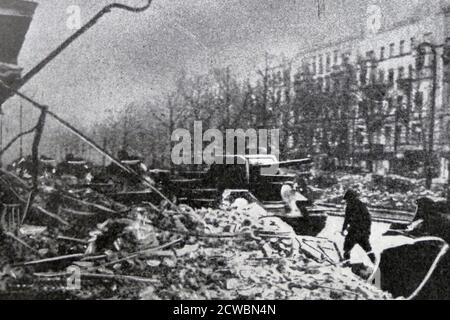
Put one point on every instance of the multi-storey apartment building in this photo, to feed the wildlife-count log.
(407, 58)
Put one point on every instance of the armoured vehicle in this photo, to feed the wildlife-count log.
(280, 187)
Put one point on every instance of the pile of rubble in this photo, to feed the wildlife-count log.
(162, 252)
(387, 192)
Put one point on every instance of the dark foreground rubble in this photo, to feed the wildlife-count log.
(149, 252)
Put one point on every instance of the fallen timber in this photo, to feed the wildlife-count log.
(29, 204)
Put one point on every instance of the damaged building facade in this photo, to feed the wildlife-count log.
(396, 55)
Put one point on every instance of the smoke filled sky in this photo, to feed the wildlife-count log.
(130, 57)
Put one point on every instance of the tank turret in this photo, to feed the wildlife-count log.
(15, 19)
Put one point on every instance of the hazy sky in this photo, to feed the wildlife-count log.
(132, 57)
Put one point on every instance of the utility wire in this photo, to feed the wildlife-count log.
(27, 77)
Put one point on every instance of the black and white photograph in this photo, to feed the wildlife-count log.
(249, 151)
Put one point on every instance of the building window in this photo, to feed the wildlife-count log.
(345, 57)
(320, 64)
(401, 73)
(373, 76)
(359, 136)
(391, 76)
(327, 84)
(382, 53)
(416, 133)
(390, 105)
(363, 75)
(336, 85)
(402, 47)
(370, 55)
(320, 84)
(427, 36)
(400, 102)
(418, 100)
(391, 50)
(314, 66)
(360, 111)
(411, 71)
(402, 134)
(448, 130)
(348, 55)
(388, 135)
